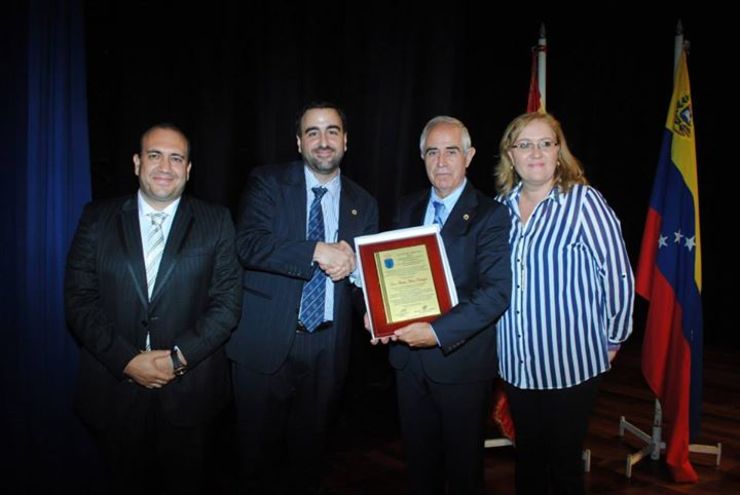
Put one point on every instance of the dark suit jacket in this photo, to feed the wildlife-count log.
(272, 246)
(195, 305)
(476, 238)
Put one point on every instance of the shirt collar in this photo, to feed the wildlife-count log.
(555, 194)
(451, 199)
(311, 181)
(146, 209)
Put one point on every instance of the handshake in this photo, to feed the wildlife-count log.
(336, 259)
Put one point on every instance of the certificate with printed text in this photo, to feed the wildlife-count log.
(405, 277)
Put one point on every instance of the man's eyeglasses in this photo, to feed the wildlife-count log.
(542, 145)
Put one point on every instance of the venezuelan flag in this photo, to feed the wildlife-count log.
(669, 276)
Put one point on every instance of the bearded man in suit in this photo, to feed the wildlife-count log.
(291, 349)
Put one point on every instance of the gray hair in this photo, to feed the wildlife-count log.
(444, 119)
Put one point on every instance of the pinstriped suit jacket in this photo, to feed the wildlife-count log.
(195, 304)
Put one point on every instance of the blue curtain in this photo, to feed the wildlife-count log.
(49, 184)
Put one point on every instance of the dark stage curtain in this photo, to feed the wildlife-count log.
(47, 185)
(234, 74)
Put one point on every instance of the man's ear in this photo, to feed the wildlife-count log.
(469, 156)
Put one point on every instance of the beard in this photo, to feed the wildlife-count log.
(324, 166)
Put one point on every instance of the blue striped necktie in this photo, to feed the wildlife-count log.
(314, 291)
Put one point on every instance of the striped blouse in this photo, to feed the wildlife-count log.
(572, 294)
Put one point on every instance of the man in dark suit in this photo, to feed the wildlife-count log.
(444, 369)
(152, 292)
(291, 349)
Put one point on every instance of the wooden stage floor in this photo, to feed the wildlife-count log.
(366, 453)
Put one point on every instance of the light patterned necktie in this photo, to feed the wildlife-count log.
(154, 249)
(314, 291)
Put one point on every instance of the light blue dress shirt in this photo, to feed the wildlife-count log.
(449, 201)
(330, 210)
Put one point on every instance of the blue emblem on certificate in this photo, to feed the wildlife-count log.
(388, 263)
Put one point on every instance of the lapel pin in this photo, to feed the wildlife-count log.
(354, 212)
(466, 217)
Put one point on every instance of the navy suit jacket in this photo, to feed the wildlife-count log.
(476, 239)
(195, 305)
(277, 261)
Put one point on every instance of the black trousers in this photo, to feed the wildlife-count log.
(282, 418)
(443, 428)
(550, 428)
(144, 453)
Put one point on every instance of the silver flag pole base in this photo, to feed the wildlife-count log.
(654, 444)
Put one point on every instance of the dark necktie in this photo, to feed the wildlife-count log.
(314, 291)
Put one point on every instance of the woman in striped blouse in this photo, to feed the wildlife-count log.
(571, 303)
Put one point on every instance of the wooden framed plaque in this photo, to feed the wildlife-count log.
(405, 277)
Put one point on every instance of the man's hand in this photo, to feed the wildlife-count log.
(337, 259)
(416, 335)
(151, 369)
(369, 328)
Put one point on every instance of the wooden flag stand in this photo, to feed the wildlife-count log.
(654, 444)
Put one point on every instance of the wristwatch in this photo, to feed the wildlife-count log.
(178, 367)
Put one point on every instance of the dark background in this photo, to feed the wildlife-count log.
(234, 76)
